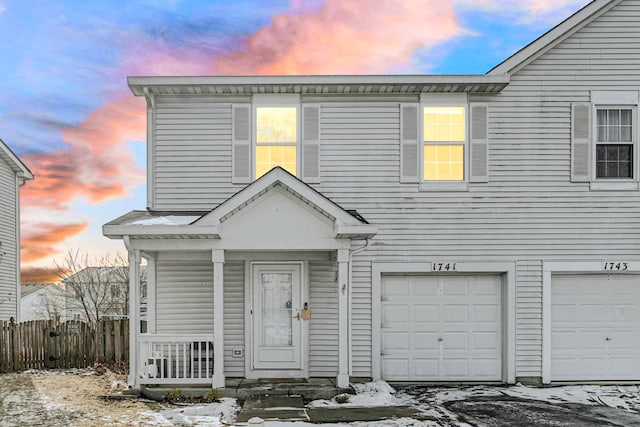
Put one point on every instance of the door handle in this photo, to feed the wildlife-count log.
(297, 316)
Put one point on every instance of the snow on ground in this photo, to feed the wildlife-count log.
(376, 393)
(209, 414)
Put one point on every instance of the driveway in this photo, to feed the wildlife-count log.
(584, 406)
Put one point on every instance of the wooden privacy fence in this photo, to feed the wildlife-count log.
(43, 344)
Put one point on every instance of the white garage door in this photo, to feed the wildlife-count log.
(441, 328)
(595, 327)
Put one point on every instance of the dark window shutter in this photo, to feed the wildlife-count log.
(580, 142)
(479, 143)
(311, 143)
(241, 144)
(409, 143)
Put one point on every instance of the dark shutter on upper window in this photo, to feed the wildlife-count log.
(580, 147)
(409, 143)
(241, 144)
(479, 143)
(311, 143)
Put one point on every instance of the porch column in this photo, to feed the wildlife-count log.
(134, 318)
(151, 291)
(342, 380)
(217, 256)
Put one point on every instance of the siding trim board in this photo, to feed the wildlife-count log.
(576, 267)
(507, 269)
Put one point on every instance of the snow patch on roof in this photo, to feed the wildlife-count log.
(166, 220)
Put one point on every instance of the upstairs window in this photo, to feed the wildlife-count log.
(614, 148)
(444, 137)
(276, 139)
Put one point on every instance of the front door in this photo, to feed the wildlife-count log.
(277, 332)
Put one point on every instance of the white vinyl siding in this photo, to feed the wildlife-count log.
(9, 298)
(234, 318)
(323, 325)
(529, 317)
(184, 296)
(192, 153)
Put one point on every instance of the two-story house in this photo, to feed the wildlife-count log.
(13, 175)
(409, 228)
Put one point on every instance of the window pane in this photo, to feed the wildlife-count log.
(625, 117)
(444, 124)
(602, 117)
(614, 161)
(270, 156)
(276, 124)
(443, 162)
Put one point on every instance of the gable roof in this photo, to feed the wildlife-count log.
(31, 288)
(553, 37)
(205, 225)
(349, 224)
(14, 161)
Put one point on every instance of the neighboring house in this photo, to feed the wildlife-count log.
(97, 293)
(44, 301)
(13, 174)
(414, 228)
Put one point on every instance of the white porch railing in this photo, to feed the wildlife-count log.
(176, 359)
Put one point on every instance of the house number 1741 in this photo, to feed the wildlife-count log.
(443, 266)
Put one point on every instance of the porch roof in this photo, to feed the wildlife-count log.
(348, 224)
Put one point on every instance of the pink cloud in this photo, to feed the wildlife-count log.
(344, 37)
(41, 240)
(97, 163)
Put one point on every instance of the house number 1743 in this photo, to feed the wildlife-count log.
(443, 266)
(615, 266)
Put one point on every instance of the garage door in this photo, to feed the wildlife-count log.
(595, 327)
(441, 328)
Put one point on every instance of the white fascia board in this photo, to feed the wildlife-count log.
(362, 231)
(22, 170)
(138, 83)
(551, 38)
(117, 231)
(283, 177)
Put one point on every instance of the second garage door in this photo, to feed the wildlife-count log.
(441, 328)
(595, 327)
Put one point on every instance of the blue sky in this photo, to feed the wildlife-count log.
(66, 110)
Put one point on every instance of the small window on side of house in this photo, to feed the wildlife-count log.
(614, 143)
(276, 139)
(444, 138)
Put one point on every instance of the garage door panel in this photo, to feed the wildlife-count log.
(455, 313)
(595, 323)
(425, 341)
(395, 315)
(425, 368)
(426, 313)
(396, 368)
(454, 329)
(395, 341)
(485, 341)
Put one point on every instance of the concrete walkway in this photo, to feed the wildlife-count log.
(291, 408)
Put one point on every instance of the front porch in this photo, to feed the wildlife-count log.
(257, 288)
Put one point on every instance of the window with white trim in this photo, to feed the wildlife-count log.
(275, 131)
(444, 140)
(276, 138)
(614, 142)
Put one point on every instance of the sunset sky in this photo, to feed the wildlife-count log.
(66, 110)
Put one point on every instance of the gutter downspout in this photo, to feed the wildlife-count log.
(349, 299)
